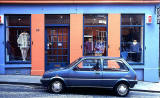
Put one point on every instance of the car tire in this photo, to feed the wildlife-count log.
(122, 89)
(56, 87)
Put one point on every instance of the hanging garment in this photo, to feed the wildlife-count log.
(99, 47)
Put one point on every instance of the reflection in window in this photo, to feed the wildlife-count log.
(95, 20)
(114, 65)
(132, 38)
(89, 65)
(17, 38)
(57, 19)
(95, 35)
(132, 19)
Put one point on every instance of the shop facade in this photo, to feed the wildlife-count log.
(39, 37)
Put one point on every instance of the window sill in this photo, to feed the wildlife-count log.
(18, 62)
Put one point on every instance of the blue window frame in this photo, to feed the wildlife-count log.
(17, 38)
(132, 38)
(95, 34)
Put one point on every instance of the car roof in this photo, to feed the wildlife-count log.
(104, 57)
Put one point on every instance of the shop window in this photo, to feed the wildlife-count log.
(18, 39)
(57, 19)
(132, 29)
(95, 20)
(95, 35)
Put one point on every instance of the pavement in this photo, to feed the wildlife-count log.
(35, 80)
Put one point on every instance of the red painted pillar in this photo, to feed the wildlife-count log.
(114, 35)
(76, 36)
(38, 48)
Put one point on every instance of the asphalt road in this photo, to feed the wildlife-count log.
(24, 91)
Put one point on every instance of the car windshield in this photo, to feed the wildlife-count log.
(73, 63)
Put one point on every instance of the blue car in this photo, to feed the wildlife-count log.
(92, 71)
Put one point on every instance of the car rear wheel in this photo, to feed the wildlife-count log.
(56, 87)
(122, 89)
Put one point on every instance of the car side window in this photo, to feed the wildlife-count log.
(114, 65)
(89, 65)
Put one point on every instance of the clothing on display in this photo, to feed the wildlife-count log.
(99, 47)
(24, 44)
(135, 47)
(88, 47)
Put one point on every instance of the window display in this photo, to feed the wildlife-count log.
(24, 44)
(95, 35)
(17, 38)
(132, 38)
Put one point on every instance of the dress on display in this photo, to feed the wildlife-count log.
(99, 47)
(24, 44)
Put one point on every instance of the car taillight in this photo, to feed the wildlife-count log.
(135, 78)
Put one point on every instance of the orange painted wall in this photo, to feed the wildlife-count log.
(37, 37)
(76, 36)
(114, 35)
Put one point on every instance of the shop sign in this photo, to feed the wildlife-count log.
(158, 15)
(149, 19)
(1, 19)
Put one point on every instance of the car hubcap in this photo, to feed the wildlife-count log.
(122, 89)
(57, 86)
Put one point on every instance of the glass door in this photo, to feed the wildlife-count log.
(56, 47)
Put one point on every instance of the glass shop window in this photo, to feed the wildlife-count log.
(95, 29)
(132, 28)
(18, 38)
(57, 19)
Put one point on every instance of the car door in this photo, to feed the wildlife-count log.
(86, 73)
(113, 70)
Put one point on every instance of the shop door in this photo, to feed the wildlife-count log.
(56, 47)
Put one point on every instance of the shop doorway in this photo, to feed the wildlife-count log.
(56, 47)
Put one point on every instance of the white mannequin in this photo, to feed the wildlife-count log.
(134, 42)
(24, 44)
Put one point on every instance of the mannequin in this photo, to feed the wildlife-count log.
(24, 44)
(136, 48)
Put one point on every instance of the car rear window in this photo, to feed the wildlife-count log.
(114, 65)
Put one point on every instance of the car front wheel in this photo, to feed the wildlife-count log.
(56, 87)
(122, 89)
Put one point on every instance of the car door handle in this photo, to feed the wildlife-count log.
(97, 72)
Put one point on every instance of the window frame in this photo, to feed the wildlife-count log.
(106, 26)
(121, 26)
(5, 27)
